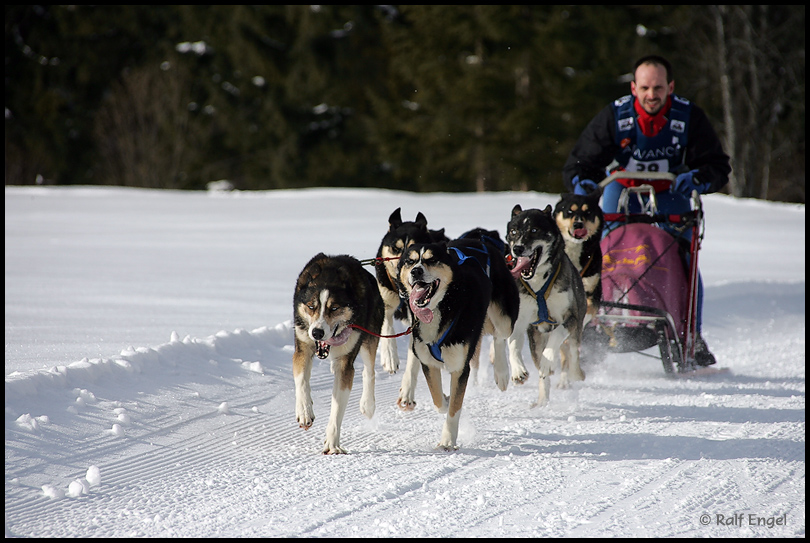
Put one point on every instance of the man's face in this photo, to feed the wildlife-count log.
(651, 88)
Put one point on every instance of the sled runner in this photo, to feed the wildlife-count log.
(649, 277)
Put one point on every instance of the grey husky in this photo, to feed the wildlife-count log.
(552, 299)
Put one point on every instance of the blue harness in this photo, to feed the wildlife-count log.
(462, 258)
(436, 348)
(541, 296)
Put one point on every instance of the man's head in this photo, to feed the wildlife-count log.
(652, 83)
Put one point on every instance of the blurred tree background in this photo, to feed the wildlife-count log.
(422, 98)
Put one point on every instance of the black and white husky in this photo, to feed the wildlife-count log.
(333, 296)
(581, 222)
(552, 299)
(455, 291)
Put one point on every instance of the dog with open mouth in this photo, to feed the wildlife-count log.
(455, 292)
(581, 223)
(552, 299)
(400, 235)
(338, 314)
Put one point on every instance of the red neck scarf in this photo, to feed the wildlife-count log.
(652, 124)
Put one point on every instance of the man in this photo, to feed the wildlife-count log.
(654, 130)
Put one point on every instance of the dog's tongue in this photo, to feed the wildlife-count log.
(322, 347)
(580, 233)
(521, 263)
(424, 314)
(341, 338)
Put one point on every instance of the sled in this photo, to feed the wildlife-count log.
(649, 293)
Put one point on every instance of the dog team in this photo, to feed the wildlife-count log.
(541, 282)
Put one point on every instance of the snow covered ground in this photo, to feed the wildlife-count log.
(149, 387)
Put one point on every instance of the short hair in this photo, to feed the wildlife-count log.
(657, 61)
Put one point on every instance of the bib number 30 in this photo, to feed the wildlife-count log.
(647, 166)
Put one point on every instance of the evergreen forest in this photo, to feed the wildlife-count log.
(419, 98)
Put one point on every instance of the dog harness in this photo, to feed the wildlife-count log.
(541, 296)
(463, 258)
(436, 348)
(499, 244)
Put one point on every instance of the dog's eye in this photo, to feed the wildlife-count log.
(334, 308)
(311, 306)
(513, 232)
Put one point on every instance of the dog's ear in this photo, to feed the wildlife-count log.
(421, 220)
(311, 272)
(438, 235)
(547, 210)
(395, 220)
(345, 275)
(516, 210)
(596, 194)
(303, 280)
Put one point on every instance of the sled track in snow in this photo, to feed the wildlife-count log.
(182, 468)
(170, 454)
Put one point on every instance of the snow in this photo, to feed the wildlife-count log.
(149, 388)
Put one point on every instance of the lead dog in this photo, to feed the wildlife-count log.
(334, 294)
(552, 299)
(454, 290)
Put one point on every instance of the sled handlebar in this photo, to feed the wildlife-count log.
(620, 174)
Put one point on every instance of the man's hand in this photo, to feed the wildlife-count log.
(583, 187)
(685, 183)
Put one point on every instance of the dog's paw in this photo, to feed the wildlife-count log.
(520, 378)
(543, 392)
(577, 375)
(389, 358)
(406, 404)
(367, 407)
(333, 448)
(449, 447)
(518, 370)
(502, 380)
(305, 417)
